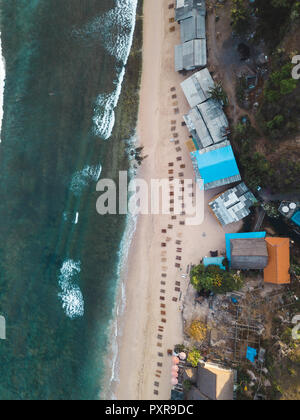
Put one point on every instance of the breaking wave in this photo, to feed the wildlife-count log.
(115, 28)
(70, 295)
(104, 112)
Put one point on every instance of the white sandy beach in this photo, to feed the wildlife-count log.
(140, 344)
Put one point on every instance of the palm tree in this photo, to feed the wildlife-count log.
(218, 93)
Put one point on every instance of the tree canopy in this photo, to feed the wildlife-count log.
(215, 280)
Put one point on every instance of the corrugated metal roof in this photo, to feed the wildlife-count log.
(201, 27)
(184, 8)
(233, 205)
(178, 58)
(191, 55)
(193, 27)
(200, 53)
(198, 129)
(196, 88)
(188, 29)
(215, 119)
(207, 122)
(216, 165)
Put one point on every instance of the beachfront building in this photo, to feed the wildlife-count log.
(214, 383)
(249, 254)
(233, 205)
(184, 8)
(230, 237)
(215, 166)
(191, 53)
(207, 124)
(278, 269)
(197, 87)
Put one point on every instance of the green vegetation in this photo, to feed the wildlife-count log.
(274, 19)
(271, 158)
(278, 113)
(194, 357)
(218, 93)
(240, 15)
(280, 172)
(215, 280)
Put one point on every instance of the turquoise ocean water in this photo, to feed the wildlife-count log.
(65, 64)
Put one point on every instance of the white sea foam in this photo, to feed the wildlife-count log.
(115, 327)
(81, 179)
(104, 112)
(116, 28)
(70, 295)
(122, 17)
(2, 82)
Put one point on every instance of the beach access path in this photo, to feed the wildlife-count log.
(152, 319)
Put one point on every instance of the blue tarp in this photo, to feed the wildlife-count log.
(217, 164)
(250, 235)
(214, 261)
(296, 218)
(251, 354)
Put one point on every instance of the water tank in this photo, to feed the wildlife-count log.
(293, 206)
(285, 209)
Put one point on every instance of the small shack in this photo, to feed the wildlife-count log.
(248, 235)
(197, 87)
(207, 123)
(215, 382)
(233, 205)
(216, 165)
(249, 254)
(191, 55)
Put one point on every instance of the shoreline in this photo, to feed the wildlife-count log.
(126, 119)
(151, 327)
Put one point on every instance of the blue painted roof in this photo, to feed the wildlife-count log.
(296, 218)
(214, 261)
(249, 235)
(217, 164)
(251, 354)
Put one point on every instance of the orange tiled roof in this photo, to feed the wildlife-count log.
(277, 270)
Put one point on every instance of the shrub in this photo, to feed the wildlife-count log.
(194, 357)
(197, 331)
(215, 280)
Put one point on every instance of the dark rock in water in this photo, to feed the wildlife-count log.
(244, 51)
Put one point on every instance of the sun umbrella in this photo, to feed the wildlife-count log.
(182, 356)
(175, 360)
(174, 374)
(174, 381)
(175, 368)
